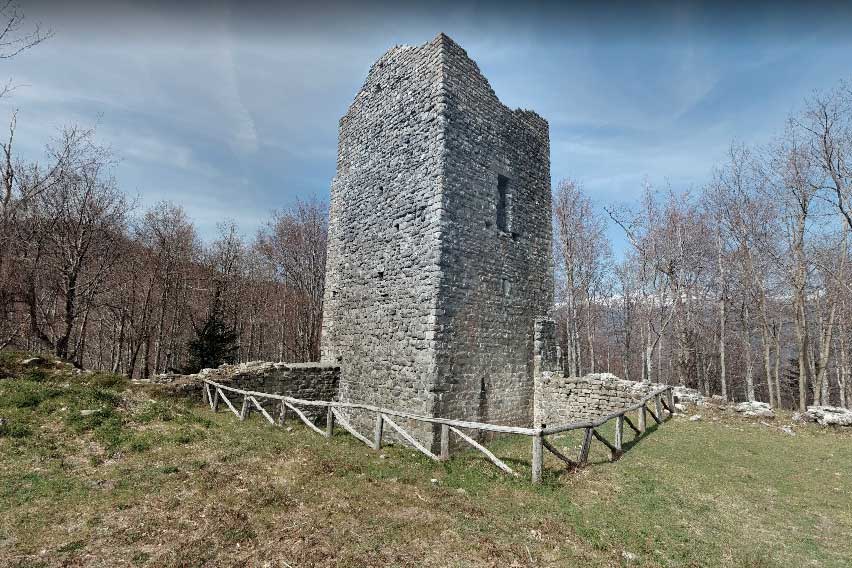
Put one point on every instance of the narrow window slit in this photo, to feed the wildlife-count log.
(502, 202)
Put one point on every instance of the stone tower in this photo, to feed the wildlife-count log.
(439, 248)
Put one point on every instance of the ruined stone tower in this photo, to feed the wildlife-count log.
(439, 248)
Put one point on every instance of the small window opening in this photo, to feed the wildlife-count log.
(334, 293)
(396, 226)
(381, 274)
(502, 202)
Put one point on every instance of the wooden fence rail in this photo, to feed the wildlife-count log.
(662, 398)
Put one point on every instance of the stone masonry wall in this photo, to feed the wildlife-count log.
(433, 279)
(561, 400)
(307, 381)
(379, 320)
(496, 264)
(546, 354)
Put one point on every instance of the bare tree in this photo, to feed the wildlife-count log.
(791, 172)
(294, 241)
(582, 253)
(14, 39)
(79, 223)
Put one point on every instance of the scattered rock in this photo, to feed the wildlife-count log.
(383, 457)
(629, 556)
(695, 418)
(679, 407)
(829, 415)
(87, 412)
(755, 408)
(461, 491)
(788, 430)
(32, 361)
(434, 481)
(686, 395)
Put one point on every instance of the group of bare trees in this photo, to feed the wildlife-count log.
(83, 274)
(86, 277)
(739, 289)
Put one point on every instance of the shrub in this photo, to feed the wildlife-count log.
(107, 380)
(19, 393)
(14, 430)
(34, 375)
(153, 410)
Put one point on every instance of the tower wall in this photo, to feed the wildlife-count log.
(379, 317)
(495, 250)
(433, 280)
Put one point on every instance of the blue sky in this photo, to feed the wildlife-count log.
(231, 109)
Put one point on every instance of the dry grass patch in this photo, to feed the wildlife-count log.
(151, 482)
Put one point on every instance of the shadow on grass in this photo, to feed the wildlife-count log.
(599, 460)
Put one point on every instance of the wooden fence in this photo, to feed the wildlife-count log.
(662, 398)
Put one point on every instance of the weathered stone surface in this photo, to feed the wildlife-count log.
(439, 248)
(686, 395)
(561, 400)
(829, 415)
(307, 381)
(754, 408)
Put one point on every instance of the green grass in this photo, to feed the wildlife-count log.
(156, 482)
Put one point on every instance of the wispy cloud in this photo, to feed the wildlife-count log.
(206, 103)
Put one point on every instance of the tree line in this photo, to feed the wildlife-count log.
(87, 275)
(739, 288)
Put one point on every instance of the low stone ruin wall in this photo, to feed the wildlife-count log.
(562, 400)
(307, 381)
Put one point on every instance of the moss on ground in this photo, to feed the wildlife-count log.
(95, 471)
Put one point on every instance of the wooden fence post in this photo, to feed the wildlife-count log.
(536, 458)
(377, 432)
(619, 432)
(670, 399)
(642, 418)
(658, 406)
(282, 413)
(329, 422)
(215, 403)
(587, 445)
(445, 442)
(245, 409)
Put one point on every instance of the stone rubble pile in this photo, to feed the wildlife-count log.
(686, 395)
(828, 415)
(755, 409)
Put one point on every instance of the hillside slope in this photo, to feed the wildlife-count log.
(97, 472)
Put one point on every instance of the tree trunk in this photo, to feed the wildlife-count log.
(590, 334)
(803, 344)
(68, 316)
(749, 358)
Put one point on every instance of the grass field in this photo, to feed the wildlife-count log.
(96, 472)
